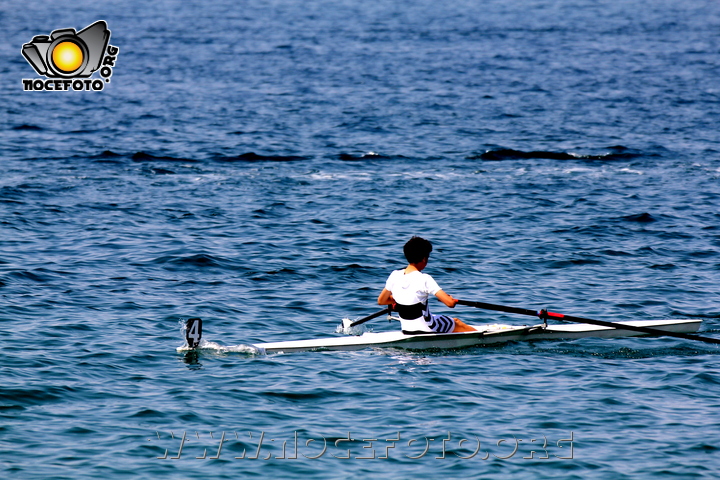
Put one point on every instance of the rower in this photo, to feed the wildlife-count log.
(408, 290)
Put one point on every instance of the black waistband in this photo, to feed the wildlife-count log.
(410, 312)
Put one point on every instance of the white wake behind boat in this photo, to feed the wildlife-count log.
(485, 335)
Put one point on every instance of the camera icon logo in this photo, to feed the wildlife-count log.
(66, 53)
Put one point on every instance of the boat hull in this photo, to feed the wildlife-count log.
(485, 335)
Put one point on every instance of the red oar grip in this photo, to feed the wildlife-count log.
(544, 314)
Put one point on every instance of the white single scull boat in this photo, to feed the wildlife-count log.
(485, 335)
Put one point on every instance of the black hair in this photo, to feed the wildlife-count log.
(417, 249)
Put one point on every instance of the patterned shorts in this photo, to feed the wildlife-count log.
(440, 323)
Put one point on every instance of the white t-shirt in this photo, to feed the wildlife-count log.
(409, 289)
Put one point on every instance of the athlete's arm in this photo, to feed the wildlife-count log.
(385, 297)
(448, 300)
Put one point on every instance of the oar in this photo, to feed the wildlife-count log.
(386, 310)
(544, 314)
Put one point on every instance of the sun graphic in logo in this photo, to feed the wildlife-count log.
(67, 56)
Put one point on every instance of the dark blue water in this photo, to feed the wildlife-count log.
(261, 164)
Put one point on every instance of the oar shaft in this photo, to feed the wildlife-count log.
(384, 311)
(569, 318)
(500, 308)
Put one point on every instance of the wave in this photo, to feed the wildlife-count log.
(639, 218)
(199, 260)
(254, 157)
(106, 154)
(617, 152)
(191, 262)
(141, 156)
(711, 315)
(19, 397)
(161, 171)
(214, 347)
(144, 157)
(349, 157)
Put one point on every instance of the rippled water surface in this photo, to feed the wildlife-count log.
(260, 165)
